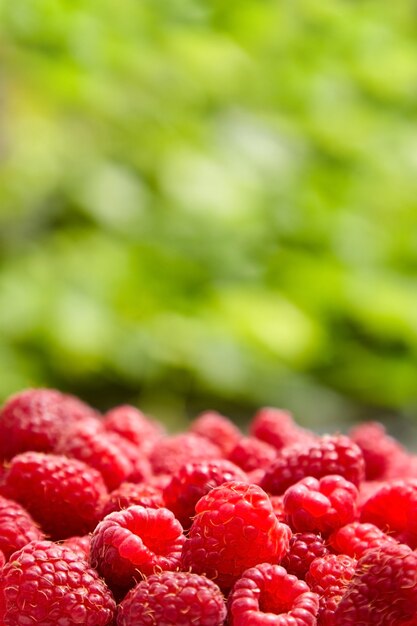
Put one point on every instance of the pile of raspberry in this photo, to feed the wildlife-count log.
(107, 520)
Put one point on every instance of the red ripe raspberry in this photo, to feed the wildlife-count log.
(81, 545)
(2, 559)
(383, 591)
(193, 481)
(234, 528)
(320, 505)
(114, 457)
(278, 428)
(329, 576)
(251, 453)
(135, 542)
(304, 548)
(170, 453)
(393, 508)
(64, 496)
(34, 419)
(216, 428)
(179, 598)
(129, 494)
(48, 584)
(380, 451)
(328, 455)
(268, 595)
(17, 528)
(94, 448)
(133, 425)
(355, 539)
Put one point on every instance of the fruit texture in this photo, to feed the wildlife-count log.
(328, 455)
(173, 599)
(234, 528)
(136, 542)
(266, 595)
(64, 496)
(48, 585)
(383, 591)
(321, 505)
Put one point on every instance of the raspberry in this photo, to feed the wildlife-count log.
(140, 466)
(114, 457)
(328, 455)
(81, 545)
(216, 428)
(383, 591)
(268, 595)
(173, 599)
(133, 425)
(135, 542)
(393, 508)
(2, 559)
(64, 496)
(304, 548)
(320, 505)
(250, 454)
(17, 528)
(380, 451)
(355, 539)
(193, 481)
(48, 584)
(278, 428)
(234, 528)
(34, 419)
(129, 493)
(170, 453)
(329, 576)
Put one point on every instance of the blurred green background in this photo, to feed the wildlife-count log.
(211, 204)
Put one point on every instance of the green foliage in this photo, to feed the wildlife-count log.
(210, 202)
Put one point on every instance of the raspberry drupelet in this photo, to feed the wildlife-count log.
(173, 599)
(136, 542)
(49, 584)
(267, 595)
(234, 528)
